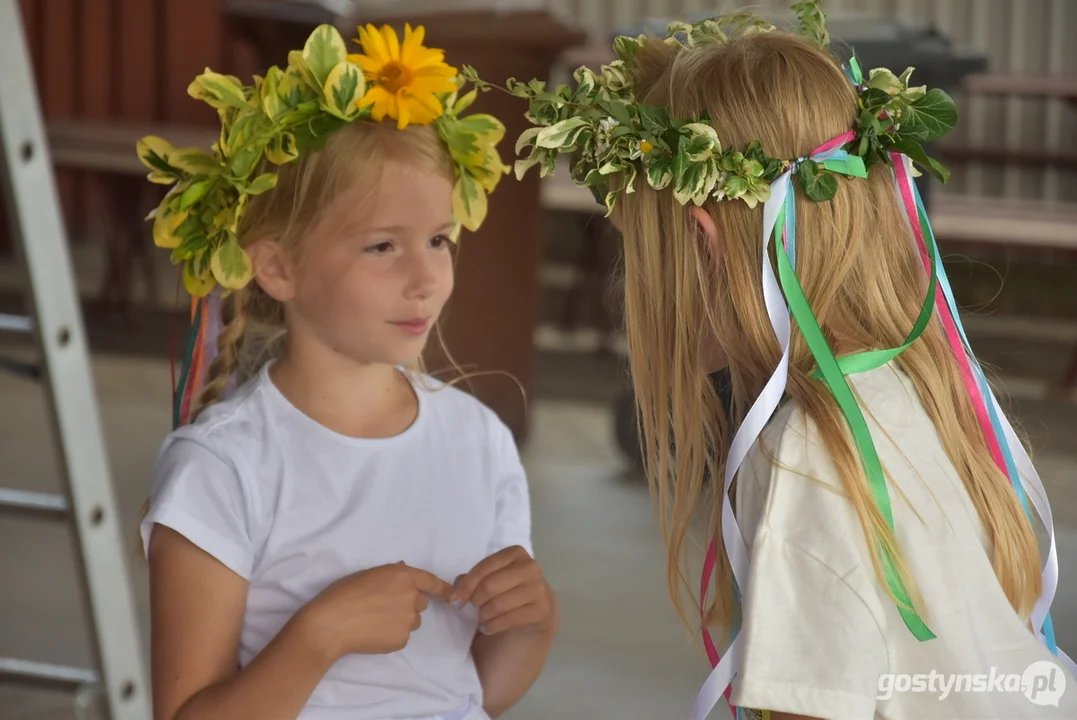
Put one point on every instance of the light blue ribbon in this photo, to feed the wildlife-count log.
(981, 380)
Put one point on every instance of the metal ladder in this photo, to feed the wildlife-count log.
(87, 503)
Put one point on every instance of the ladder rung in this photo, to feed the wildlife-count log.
(16, 323)
(20, 368)
(28, 502)
(46, 675)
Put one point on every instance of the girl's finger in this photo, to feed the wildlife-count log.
(496, 562)
(514, 599)
(520, 617)
(498, 584)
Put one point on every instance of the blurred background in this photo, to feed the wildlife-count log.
(537, 292)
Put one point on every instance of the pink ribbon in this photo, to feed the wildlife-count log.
(952, 335)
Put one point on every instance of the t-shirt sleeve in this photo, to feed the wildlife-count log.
(202, 497)
(512, 525)
(812, 645)
(812, 627)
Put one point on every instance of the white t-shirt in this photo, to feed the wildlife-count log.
(292, 506)
(821, 636)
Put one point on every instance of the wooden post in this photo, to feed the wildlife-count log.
(491, 320)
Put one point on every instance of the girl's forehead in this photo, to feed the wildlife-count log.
(401, 196)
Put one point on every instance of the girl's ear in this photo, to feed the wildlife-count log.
(273, 269)
(708, 232)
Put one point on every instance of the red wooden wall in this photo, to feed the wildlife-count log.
(128, 60)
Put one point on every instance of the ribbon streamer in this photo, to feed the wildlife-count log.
(1025, 480)
(724, 668)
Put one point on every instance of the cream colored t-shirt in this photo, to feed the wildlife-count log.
(821, 636)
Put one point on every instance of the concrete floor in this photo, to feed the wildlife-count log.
(622, 653)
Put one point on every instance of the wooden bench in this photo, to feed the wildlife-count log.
(1031, 87)
(1017, 224)
(108, 148)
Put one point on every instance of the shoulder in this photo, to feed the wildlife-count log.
(229, 432)
(791, 483)
(454, 409)
(790, 488)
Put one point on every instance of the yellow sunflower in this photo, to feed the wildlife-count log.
(404, 77)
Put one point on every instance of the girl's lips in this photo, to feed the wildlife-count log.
(415, 327)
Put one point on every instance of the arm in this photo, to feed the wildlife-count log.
(197, 607)
(510, 662)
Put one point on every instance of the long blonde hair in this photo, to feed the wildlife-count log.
(858, 268)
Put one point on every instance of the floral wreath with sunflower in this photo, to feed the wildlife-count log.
(293, 111)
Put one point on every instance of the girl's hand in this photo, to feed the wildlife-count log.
(373, 611)
(510, 591)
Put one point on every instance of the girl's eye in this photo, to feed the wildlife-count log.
(380, 248)
(439, 241)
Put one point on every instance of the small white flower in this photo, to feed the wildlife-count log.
(602, 135)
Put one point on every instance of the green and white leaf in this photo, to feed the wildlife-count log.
(323, 51)
(231, 265)
(660, 172)
(262, 183)
(524, 164)
(344, 88)
(154, 153)
(194, 192)
(560, 135)
(217, 90)
(469, 202)
(166, 226)
(465, 102)
(272, 103)
(883, 79)
(195, 161)
(281, 148)
(626, 47)
(527, 137)
(812, 22)
(197, 278)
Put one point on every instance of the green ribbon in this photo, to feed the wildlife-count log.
(872, 359)
(834, 375)
(852, 165)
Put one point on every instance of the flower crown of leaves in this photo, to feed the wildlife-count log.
(607, 132)
(293, 111)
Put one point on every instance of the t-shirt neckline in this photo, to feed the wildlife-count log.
(295, 414)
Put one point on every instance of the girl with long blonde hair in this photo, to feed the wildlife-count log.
(331, 533)
(874, 505)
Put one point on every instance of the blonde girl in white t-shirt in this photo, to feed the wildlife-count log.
(340, 536)
(879, 558)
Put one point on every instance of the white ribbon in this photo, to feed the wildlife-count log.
(757, 418)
